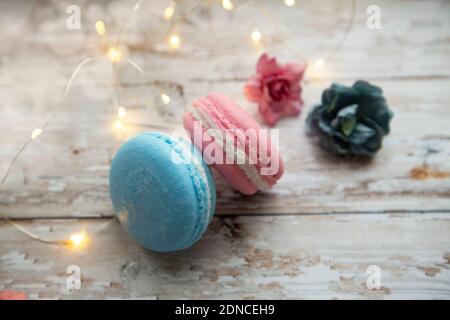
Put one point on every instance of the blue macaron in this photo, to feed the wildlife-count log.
(162, 191)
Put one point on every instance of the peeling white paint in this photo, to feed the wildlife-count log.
(15, 260)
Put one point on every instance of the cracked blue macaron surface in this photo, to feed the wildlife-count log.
(162, 191)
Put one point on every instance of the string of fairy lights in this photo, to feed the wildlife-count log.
(115, 55)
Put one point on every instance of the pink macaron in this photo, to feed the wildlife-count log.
(234, 143)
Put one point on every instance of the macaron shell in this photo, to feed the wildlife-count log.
(227, 115)
(161, 204)
(229, 109)
(232, 173)
(202, 187)
(239, 118)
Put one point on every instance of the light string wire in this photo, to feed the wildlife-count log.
(75, 239)
(34, 135)
(136, 7)
(347, 30)
(37, 132)
(266, 13)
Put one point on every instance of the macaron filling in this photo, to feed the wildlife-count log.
(200, 114)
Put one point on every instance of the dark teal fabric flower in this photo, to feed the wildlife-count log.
(351, 120)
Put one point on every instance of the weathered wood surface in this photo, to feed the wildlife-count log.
(320, 256)
(65, 172)
(411, 172)
(312, 236)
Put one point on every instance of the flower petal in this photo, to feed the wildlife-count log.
(338, 96)
(374, 106)
(347, 119)
(295, 71)
(252, 90)
(276, 89)
(269, 117)
(351, 120)
(267, 66)
(366, 140)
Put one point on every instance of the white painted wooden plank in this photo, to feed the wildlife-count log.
(412, 41)
(65, 172)
(302, 257)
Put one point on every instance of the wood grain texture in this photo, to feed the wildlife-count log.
(313, 236)
(299, 257)
(65, 172)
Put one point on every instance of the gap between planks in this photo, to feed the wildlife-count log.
(249, 214)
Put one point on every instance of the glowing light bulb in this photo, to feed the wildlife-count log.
(121, 112)
(114, 54)
(174, 41)
(320, 63)
(118, 124)
(100, 28)
(165, 98)
(227, 5)
(169, 11)
(256, 36)
(289, 3)
(36, 133)
(137, 6)
(77, 240)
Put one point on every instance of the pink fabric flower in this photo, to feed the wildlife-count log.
(276, 89)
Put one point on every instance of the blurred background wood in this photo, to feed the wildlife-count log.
(294, 242)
